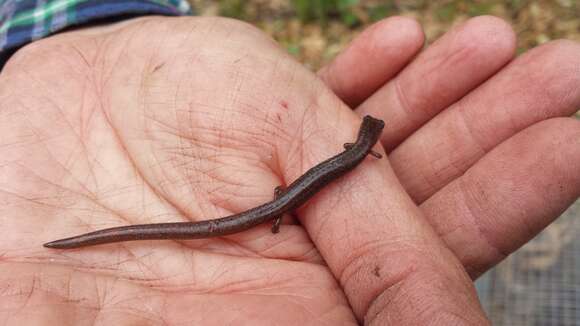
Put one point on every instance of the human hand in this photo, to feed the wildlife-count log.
(482, 142)
(124, 148)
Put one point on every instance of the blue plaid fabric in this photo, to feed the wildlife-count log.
(23, 21)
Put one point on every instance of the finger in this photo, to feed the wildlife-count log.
(373, 58)
(510, 195)
(541, 84)
(373, 237)
(450, 68)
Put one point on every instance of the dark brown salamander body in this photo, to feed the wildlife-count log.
(286, 200)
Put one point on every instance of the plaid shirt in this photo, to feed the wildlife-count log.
(23, 21)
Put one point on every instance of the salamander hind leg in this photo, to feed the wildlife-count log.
(278, 191)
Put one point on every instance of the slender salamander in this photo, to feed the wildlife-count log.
(285, 200)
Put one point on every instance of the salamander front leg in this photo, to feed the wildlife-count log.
(373, 153)
(278, 191)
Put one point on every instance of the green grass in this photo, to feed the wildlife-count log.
(321, 10)
(232, 8)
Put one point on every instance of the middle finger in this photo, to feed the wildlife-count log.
(450, 68)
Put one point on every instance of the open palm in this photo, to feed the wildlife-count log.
(161, 119)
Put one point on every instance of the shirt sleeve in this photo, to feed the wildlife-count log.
(23, 21)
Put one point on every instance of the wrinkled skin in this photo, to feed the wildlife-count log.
(184, 119)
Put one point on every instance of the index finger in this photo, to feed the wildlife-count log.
(374, 238)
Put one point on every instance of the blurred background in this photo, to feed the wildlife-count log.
(316, 30)
(540, 283)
